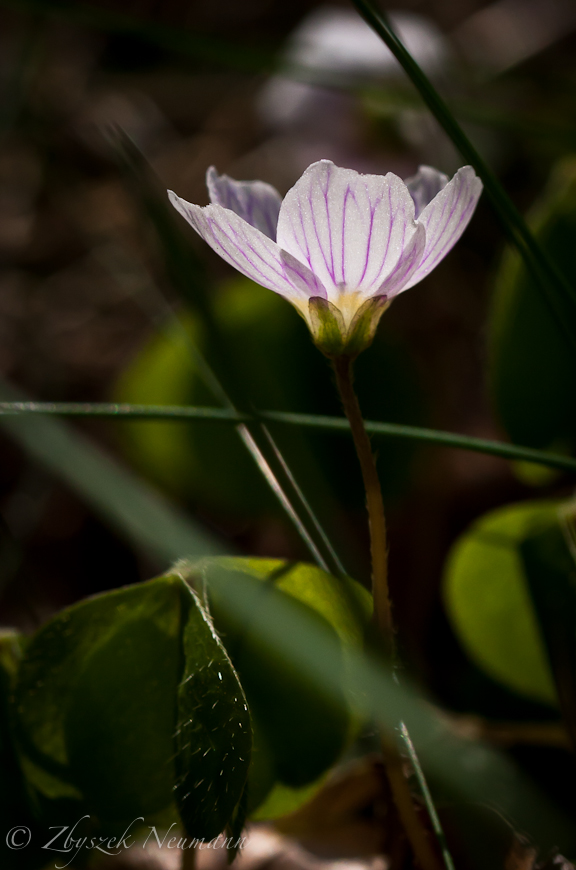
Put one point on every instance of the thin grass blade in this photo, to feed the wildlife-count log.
(559, 295)
(193, 414)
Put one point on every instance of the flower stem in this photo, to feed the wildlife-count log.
(399, 786)
(374, 502)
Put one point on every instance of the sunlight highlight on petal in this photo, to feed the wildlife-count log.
(349, 229)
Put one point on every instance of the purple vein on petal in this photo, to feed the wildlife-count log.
(373, 209)
(326, 191)
(256, 202)
(250, 251)
(407, 264)
(446, 218)
(315, 226)
(347, 194)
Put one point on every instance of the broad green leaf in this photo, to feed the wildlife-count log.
(119, 717)
(111, 702)
(207, 463)
(532, 370)
(213, 737)
(489, 604)
(549, 560)
(299, 730)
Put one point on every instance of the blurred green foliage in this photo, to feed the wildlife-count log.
(532, 371)
(489, 604)
(275, 356)
(549, 561)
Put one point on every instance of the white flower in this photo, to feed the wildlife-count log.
(341, 245)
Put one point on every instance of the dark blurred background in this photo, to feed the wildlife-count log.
(260, 89)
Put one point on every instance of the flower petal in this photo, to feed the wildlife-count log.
(255, 201)
(251, 252)
(445, 218)
(424, 186)
(349, 229)
(410, 259)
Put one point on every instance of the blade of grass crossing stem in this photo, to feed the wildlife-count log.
(117, 495)
(555, 288)
(187, 275)
(276, 488)
(425, 792)
(302, 497)
(194, 414)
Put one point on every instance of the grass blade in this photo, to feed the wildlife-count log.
(192, 414)
(425, 791)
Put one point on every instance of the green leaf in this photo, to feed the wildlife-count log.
(532, 371)
(214, 737)
(119, 717)
(549, 559)
(299, 731)
(112, 692)
(14, 808)
(488, 602)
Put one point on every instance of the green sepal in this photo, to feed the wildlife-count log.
(327, 326)
(364, 324)
(330, 333)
